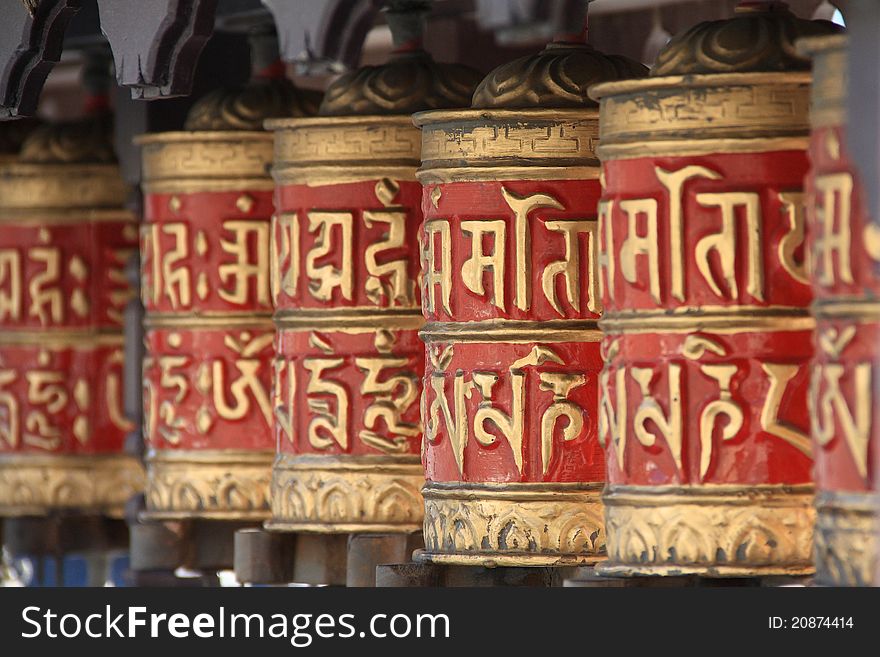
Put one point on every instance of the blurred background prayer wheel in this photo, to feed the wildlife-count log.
(512, 460)
(65, 239)
(345, 268)
(708, 336)
(205, 287)
(844, 246)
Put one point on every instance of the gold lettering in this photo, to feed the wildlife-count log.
(176, 280)
(325, 278)
(635, 245)
(388, 406)
(560, 384)
(474, 267)
(724, 243)
(780, 375)
(44, 289)
(606, 255)
(793, 205)
(285, 255)
(10, 421)
(10, 276)
(397, 286)
(674, 182)
(243, 269)
(431, 275)
(833, 214)
(650, 409)
(570, 267)
(334, 423)
(522, 206)
(723, 405)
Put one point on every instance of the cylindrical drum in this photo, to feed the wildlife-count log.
(708, 336)
(205, 287)
(345, 266)
(844, 247)
(510, 241)
(65, 239)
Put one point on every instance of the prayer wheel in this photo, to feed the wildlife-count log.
(708, 336)
(513, 465)
(205, 288)
(844, 247)
(65, 240)
(345, 268)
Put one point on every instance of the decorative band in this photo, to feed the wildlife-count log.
(660, 147)
(208, 484)
(61, 338)
(321, 175)
(698, 107)
(847, 308)
(64, 187)
(512, 331)
(524, 170)
(215, 320)
(847, 538)
(198, 185)
(731, 530)
(345, 141)
(40, 218)
(366, 319)
(346, 494)
(173, 161)
(32, 484)
(468, 140)
(516, 524)
(830, 78)
(739, 319)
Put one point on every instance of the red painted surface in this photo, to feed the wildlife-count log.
(61, 392)
(476, 389)
(724, 385)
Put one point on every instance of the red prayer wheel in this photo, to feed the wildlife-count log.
(708, 336)
(513, 465)
(206, 290)
(345, 269)
(844, 247)
(65, 240)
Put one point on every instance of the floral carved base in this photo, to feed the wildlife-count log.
(208, 484)
(847, 527)
(513, 524)
(715, 531)
(35, 485)
(349, 494)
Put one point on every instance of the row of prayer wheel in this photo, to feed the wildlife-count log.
(633, 327)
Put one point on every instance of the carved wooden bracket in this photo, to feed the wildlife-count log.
(31, 36)
(156, 54)
(326, 33)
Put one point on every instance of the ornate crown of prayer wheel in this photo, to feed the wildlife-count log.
(510, 292)
(844, 247)
(205, 286)
(708, 337)
(345, 267)
(65, 240)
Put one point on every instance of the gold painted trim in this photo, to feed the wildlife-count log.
(209, 320)
(346, 494)
(714, 531)
(320, 175)
(39, 218)
(356, 141)
(703, 107)
(847, 538)
(61, 338)
(512, 331)
(208, 484)
(685, 147)
(62, 187)
(368, 319)
(716, 319)
(847, 308)
(513, 524)
(524, 171)
(205, 160)
(830, 78)
(39, 484)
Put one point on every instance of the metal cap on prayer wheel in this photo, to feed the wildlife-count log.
(345, 265)
(844, 247)
(206, 289)
(510, 292)
(708, 336)
(65, 240)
